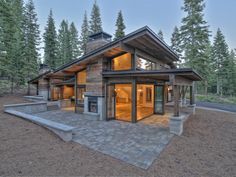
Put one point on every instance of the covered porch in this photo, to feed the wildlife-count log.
(160, 93)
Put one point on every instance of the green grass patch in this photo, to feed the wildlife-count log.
(216, 99)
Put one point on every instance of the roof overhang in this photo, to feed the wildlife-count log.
(156, 74)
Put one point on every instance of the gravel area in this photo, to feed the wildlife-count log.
(206, 148)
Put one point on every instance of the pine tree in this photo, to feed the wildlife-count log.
(32, 41)
(220, 56)
(176, 43)
(95, 20)
(12, 41)
(74, 42)
(6, 32)
(195, 38)
(120, 26)
(64, 45)
(230, 86)
(19, 43)
(84, 34)
(160, 35)
(50, 43)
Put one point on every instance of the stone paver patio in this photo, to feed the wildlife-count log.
(137, 144)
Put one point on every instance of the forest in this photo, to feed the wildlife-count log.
(20, 41)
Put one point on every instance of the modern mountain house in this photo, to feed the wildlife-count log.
(128, 79)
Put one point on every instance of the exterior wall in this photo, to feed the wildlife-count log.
(95, 88)
(43, 88)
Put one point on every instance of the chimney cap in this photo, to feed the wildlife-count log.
(100, 35)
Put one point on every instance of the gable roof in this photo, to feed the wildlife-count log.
(132, 38)
(142, 31)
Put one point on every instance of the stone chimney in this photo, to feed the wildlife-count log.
(97, 40)
(43, 68)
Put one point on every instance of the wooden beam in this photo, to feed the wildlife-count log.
(75, 91)
(176, 100)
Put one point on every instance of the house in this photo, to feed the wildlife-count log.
(127, 79)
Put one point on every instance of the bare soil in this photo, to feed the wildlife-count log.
(206, 148)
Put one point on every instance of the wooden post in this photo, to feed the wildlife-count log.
(192, 95)
(134, 100)
(176, 100)
(75, 91)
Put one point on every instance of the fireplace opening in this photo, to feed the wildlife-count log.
(93, 104)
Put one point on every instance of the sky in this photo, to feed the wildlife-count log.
(157, 14)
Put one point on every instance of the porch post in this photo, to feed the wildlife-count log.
(76, 94)
(176, 100)
(192, 95)
(105, 101)
(134, 100)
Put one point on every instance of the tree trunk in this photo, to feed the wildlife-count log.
(206, 86)
(217, 86)
(12, 85)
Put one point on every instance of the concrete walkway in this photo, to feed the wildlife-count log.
(137, 144)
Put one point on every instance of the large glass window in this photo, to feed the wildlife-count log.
(81, 77)
(122, 62)
(145, 64)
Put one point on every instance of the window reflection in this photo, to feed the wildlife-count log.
(145, 64)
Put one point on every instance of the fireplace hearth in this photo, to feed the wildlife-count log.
(93, 104)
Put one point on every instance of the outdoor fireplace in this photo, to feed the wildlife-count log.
(92, 104)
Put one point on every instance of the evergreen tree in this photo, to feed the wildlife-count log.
(195, 38)
(64, 45)
(19, 41)
(74, 40)
(120, 26)
(50, 43)
(160, 35)
(84, 34)
(95, 21)
(7, 32)
(176, 43)
(12, 41)
(32, 41)
(230, 87)
(220, 56)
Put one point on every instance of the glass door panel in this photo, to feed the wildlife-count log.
(110, 102)
(123, 93)
(159, 99)
(145, 100)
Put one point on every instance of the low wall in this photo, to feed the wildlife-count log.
(63, 131)
(176, 124)
(29, 108)
(34, 98)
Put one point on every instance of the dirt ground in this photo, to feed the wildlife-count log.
(206, 148)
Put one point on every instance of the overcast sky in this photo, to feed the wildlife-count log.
(157, 14)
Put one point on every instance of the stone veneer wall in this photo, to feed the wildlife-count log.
(43, 88)
(95, 88)
(92, 45)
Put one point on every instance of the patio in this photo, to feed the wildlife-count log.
(137, 144)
